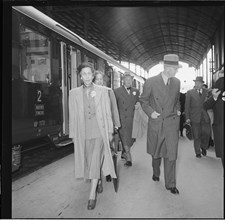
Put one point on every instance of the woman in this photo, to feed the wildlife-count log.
(91, 129)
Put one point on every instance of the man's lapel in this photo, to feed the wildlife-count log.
(124, 92)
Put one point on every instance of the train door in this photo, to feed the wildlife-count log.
(64, 75)
(75, 60)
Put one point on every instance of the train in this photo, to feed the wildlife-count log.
(45, 57)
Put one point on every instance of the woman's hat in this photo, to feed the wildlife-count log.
(199, 79)
(171, 60)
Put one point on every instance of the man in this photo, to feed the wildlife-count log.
(160, 101)
(210, 113)
(198, 116)
(126, 96)
(216, 102)
(182, 116)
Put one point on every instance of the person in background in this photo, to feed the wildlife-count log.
(216, 102)
(198, 117)
(99, 80)
(126, 96)
(160, 101)
(91, 128)
(182, 116)
(211, 116)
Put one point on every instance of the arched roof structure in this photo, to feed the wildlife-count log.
(144, 34)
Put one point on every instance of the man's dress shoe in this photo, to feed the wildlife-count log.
(204, 152)
(128, 163)
(173, 190)
(123, 156)
(108, 178)
(155, 178)
(198, 155)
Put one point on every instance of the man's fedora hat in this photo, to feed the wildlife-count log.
(199, 78)
(127, 74)
(171, 60)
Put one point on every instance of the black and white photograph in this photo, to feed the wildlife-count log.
(113, 109)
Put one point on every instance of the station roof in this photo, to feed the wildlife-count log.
(143, 34)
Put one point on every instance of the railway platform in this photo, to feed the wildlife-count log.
(53, 192)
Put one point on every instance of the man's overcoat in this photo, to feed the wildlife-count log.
(194, 109)
(163, 132)
(218, 123)
(126, 106)
(77, 127)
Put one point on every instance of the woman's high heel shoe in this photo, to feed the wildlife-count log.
(99, 187)
(91, 203)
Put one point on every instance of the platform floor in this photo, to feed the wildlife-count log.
(53, 192)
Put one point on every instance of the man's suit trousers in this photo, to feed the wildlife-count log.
(169, 171)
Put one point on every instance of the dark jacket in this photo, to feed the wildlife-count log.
(218, 123)
(194, 109)
(126, 106)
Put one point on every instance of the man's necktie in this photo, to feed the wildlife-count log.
(199, 92)
(168, 82)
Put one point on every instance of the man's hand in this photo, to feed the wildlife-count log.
(215, 93)
(155, 115)
(116, 130)
(178, 113)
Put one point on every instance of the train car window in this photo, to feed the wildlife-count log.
(90, 60)
(35, 56)
(135, 83)
(108, 77)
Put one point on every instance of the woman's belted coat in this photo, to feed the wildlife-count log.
(77, 127)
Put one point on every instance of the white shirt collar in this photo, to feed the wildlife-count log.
(165, 78)
(199, 90)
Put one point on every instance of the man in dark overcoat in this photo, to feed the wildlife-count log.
(126, 96)
(216, 102)
(182, 116)
(198, 116)
(160, 101)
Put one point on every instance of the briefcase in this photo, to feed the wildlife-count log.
(188, 128)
